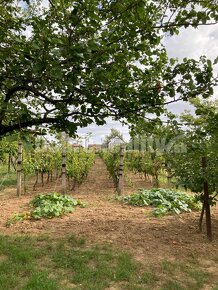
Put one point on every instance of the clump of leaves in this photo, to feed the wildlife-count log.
(16, 217)
(48, 206)
(163, 200)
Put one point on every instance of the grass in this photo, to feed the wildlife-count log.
(7, 179)
(149, 278)
(172, 285)
(32, 263)
(41, 281)
(187, 275)
(167, 267)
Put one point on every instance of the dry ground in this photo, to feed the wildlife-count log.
(105, 220)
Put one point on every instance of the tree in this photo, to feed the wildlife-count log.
(189, 147)
(76, 62)
(114, 134)
(197, 168)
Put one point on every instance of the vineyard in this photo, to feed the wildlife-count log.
(68, 168)
(104, 219)
(93, 211)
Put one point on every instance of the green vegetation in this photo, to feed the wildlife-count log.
(44, 263)
(47, 206)
(8, 150)
(187, 148)
(112, 161)
(47, 160)
(7, 179)
(163, 200)
(42, 160)
(78, 165)
(101, 54)
(146, 164)
(53, 205)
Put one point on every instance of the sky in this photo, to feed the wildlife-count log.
(190, 43)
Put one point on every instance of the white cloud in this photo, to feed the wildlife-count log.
(193, 43)
(99, 132)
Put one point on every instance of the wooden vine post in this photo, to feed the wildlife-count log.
(206, 201)
(120, 188)
(19, 169)
(63, 167)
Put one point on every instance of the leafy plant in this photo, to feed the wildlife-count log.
(145, 163)
(52, 205)
(47, 206)
(163, 200)
(112, 161)
(78, 165)
(17, 217)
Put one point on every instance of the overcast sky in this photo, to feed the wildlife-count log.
(190, 43)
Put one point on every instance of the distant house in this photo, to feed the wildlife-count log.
(76, 146)
(95, 147)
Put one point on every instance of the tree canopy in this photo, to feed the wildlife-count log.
(70, 63)
(201, 139)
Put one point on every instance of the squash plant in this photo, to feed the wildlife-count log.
(163, 201)
(47, 206)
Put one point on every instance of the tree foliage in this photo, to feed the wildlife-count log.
(201, 139)
(71, 63)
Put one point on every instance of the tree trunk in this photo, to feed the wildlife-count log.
(207, 202)
(207, 211)
(63, 170)
(201, 217)
(120, 188)
(19, 169)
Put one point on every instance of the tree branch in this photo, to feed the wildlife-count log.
(7, 99)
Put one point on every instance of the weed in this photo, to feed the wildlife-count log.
(76, 242)
(148, 278)
(172, 285)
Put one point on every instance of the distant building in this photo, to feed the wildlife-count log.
(76, 146)
(95, 147)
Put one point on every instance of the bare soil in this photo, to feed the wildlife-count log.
(105, 220)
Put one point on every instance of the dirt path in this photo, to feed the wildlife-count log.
(105, 220)
(98, 181)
